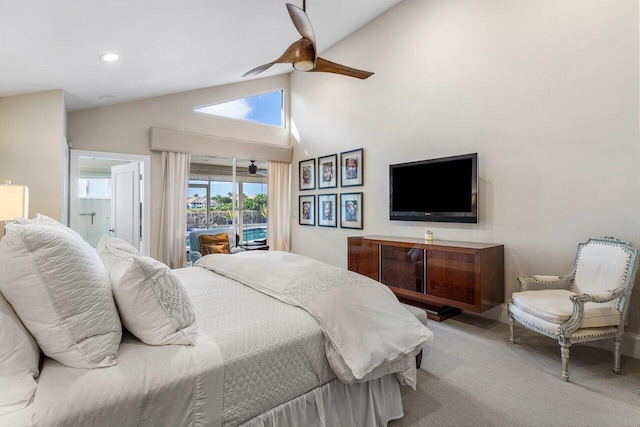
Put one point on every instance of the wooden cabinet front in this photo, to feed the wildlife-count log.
(451, 275)
(362, 257)
(464, 275)
(402, 267)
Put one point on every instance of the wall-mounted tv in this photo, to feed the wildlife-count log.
(439, 190)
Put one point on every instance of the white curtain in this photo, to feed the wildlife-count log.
(279, 206)
(173, 213)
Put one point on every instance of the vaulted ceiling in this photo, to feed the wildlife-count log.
(165, 46)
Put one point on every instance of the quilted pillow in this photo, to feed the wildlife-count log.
(57, 285)
(214, 244)
(19, 356)
(153, 304)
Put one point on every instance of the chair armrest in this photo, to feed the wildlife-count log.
(545, 281)
(601, 298)
(194, 256)
(575, 321)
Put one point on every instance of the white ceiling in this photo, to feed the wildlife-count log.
(166, 46)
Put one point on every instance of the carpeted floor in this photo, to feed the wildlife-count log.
(472, 376)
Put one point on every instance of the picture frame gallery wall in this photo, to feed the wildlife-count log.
(332, 209)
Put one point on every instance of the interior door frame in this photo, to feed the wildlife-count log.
(74, 175)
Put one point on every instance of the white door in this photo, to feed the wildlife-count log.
(125, 203)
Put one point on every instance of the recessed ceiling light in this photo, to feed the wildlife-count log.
(109, 57)
(107, 96)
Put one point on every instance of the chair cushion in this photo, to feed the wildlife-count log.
(600, 267)
(214, 244)
(553, 329)
(554, 305)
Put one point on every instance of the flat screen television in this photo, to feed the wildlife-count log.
(438, 190)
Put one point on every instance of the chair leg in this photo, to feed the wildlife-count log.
(616, 355)
(512, 322)
(564, 351)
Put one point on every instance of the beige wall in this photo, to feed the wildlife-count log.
(125, 128)
(546, 93)
(32, 148)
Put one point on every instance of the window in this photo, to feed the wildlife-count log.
(94, 188)
(218, 199)
(266, 108)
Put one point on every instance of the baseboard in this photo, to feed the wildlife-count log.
(630, 345)
(630, 342)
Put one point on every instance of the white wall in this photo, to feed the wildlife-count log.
(32, 149)
(545, 91)
(124, 128)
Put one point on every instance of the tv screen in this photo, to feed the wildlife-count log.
(444, 189)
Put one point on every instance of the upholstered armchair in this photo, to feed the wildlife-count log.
(592, 304)
(195, 252)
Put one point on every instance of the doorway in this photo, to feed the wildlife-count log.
(92, 208)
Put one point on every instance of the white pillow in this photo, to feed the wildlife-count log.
(115, 245)
(58, 286)
(50, 222)
(153, 305)
(19, 357)
(116, 255)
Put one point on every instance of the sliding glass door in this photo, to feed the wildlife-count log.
(228, 192)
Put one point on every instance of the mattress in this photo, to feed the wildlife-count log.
(171, 385)
(272, 352)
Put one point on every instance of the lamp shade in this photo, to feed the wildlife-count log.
(14, 202)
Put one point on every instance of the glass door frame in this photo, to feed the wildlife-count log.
(145, 197)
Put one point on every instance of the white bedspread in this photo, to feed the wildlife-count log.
(368, 333)
(171, 385)
(272, 352)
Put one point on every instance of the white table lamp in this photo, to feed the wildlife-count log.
(14, 202)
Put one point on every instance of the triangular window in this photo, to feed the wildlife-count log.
(266, 108)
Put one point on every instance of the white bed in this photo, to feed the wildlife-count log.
(255, 360)
(273, 357)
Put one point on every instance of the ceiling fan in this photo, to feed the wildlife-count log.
(302, 54)
(253, 168)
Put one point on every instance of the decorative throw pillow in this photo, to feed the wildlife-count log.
(221, 248)
(214, 244)
(116, 246)
(116, 255)
(58, 286)
(19, 357)
(153, 304)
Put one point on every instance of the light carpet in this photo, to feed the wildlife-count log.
(472, 375)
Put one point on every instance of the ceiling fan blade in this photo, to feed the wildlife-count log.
(258, 70)
(301, 50)
(322, 65)
(302, 23)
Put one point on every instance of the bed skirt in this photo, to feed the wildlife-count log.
(373, 403)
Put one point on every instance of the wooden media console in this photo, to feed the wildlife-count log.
(443, 277)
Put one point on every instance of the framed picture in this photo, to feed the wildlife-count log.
(308, 174)
(351, 210)
(327, 210)
(307, 210)
(328, 171)
(352, 168)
